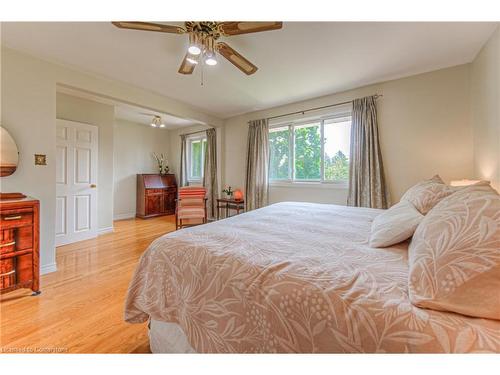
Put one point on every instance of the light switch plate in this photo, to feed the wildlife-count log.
(40, 159)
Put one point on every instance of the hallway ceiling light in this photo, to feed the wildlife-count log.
(157, 123)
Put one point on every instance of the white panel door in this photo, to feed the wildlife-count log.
(76, 182)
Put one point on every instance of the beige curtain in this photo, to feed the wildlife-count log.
(256, 182)
(210, 173)
(183, 174)
(367, 186)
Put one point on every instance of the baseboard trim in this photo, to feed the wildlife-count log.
(128, 215)
(105, 230)
(48, 268)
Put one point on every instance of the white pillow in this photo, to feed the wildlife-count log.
(395, 225)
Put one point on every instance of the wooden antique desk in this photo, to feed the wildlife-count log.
(156, 195)
(229, 204)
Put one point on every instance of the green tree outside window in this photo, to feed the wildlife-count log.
(307, 155)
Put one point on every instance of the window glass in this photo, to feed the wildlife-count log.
(307, 152)
(314, 151)
(337, 136)
(196, 158)
(279, 155)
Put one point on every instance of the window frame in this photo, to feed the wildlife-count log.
(189, 166)
(292, 181)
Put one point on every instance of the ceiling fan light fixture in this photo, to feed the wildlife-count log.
(194, 44)
(210, 52)
(194, 50)
(211, 61)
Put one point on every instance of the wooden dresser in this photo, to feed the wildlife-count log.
(19, 244)
(156, 195)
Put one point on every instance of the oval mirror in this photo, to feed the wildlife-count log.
(8, 153)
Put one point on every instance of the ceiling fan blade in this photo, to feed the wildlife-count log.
(186, 67)
(236, 28)
(236, 59)
(148, 26)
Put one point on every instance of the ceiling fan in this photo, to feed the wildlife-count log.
(203, 38)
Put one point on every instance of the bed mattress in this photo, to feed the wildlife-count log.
(168, 338)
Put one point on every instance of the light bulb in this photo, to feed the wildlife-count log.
(153, 125)
(210, 61)
(209, 55)
(194, 50)
(194, 44)
(162, 125)
(191, 60)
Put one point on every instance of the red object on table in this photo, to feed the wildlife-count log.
(238, 195)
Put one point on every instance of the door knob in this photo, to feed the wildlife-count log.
(93, 186)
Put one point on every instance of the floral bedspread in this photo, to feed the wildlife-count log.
(293, 277)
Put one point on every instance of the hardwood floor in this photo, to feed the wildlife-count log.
(80, 309)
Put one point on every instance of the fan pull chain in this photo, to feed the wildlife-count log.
(202, 69)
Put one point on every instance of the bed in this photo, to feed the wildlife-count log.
(290, 277)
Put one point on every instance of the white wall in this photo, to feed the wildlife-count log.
(424, 129)
(485, 111)
(28, 100)
(101, 115)
(134, 145)
(29, 113)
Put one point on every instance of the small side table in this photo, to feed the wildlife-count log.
(229, 204)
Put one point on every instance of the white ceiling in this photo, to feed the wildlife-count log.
(143, 116)
(301, 61)
(130, 112)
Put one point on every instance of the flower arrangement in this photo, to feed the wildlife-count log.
(228, 191)
(162, 163)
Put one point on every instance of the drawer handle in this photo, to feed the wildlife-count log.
(8, 273)
(7, 244)
(12, 217)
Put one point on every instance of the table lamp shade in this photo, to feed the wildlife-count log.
(464, 182)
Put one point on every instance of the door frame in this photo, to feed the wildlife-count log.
(94, 228)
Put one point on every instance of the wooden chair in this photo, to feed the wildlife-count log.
(191, 206)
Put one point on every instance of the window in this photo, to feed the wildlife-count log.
(196, 147)
(314, 151)
(279, 158)
(336, 145)
(307, 152)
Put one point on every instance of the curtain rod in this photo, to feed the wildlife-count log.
(316, 108)
(199, 131)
